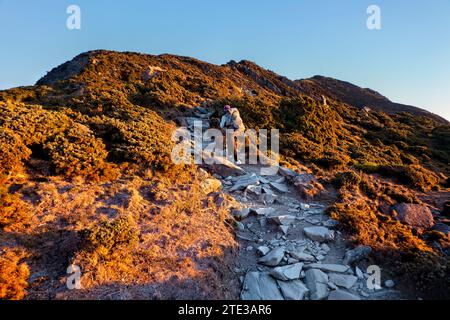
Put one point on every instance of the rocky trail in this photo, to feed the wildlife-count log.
(289, 248)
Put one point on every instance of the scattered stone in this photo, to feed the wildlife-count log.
(415, 215)
(317, 283)
(269, 198)
(244, 182)
(342, 295)
(332, 286)
(293, 290)
(289, 272)
(343, 280)
(301, 256)
(265, 211)
(280, 187)
(263, 250)
(320, 257)
(285, 220)
(262, 222)
(325, 247)
(357, 254)
(254, 189)
(263, 180)
(320, 234)
(266, 189)
(280, 180)
(249, 248)
(260, 286)
(359, 273)
(292, 261)
(284, 229)
(273, 258)
(241, 214)
(389, 284)
(328, 267)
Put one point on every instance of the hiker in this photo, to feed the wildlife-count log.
(231, 120)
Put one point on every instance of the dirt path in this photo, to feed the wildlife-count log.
(289, 248)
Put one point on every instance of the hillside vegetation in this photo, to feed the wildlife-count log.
(86, 175)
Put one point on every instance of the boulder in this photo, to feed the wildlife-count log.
(319, 234)
(415, 215)
(260, 286)
(293, 290)
(289, 272)
(357, 254)
(317, 283)
(273, 258)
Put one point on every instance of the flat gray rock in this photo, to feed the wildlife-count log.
(268, 198)
(343, 280)
(260, 286)
(280, 187)
(289, 272)
(342, 295)
(244, 182)
(319, 234)
(301, 256)
(328, 267)
(263, 250)
(285, 220)
(273, 258)
(293, 290)
(317, 283)
(265, 211)
(254, 189)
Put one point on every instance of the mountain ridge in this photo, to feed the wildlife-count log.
(316, 86)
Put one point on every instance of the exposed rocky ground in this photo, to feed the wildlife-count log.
(288, 246)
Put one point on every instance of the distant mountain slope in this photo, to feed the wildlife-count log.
(357, 96)
(213, 81)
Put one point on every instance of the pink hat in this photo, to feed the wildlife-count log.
(227, 108)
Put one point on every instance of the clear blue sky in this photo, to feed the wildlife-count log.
(408, 60)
